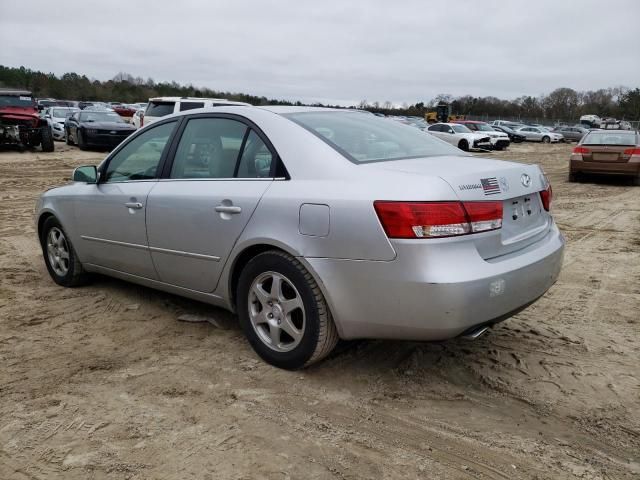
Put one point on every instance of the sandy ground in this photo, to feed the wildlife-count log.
(104, 382)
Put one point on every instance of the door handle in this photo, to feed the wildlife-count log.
(228, 209)
(135, 205)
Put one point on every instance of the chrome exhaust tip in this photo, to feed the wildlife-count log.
(473, 334)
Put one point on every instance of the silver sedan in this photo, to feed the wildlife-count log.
(311, 224)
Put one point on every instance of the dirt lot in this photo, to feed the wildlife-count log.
(104, 382)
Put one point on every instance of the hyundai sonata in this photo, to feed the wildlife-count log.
(311, 224)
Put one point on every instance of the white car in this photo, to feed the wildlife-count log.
(138, 116)
(460, 136)
(161, 106)
(540, 134)
(56, 116)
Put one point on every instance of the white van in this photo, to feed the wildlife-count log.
(161, 106)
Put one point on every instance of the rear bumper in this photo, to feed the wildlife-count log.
(612, 168)
(437, 292)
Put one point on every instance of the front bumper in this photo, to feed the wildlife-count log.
(106, 140)
(500, 143)
(57, 132)
(437, 291)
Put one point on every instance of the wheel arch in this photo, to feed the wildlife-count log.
(250, 251)
(44, 216)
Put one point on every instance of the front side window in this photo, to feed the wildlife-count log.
(365, 138)
(460, 129)
(209, 148)
(139, 158)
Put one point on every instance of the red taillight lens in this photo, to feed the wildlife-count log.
(484, 216)
(546, 196)
(581, 150)
(437, 219)
(632, 151)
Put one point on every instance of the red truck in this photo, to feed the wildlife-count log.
(20, 121)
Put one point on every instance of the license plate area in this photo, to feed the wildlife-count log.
(522, 216)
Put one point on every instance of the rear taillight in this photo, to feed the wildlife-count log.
(581, 150)
(546, 196)
(632, 151)
(437, 219)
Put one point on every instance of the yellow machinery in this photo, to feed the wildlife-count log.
(442, 113)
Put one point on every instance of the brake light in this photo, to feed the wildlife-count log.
(546, 196)
(581, 150)
(437, 219)
(632, 151)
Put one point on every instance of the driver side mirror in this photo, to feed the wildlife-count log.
(86, 174)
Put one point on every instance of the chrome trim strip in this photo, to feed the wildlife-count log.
(114, 242)
(199, 256)
(185, 254)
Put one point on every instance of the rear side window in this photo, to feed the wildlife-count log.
(208, 148)
(610, 138)
(190, 105)
(256, 158)
(159, 109)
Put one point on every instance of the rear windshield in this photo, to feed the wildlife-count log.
(365, 138)
(159, 109)
(610, 138)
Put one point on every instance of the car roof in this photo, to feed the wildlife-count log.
(197, 99)
(468, 121)
(14, 93)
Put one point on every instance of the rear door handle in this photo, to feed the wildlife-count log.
(135, 205)
(228, 209)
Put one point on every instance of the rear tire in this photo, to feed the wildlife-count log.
(46, 140)
(81, 143)
(60, 256)
(463, 145)
(546, 139)
(636, 181)
(67, 136)
(268, 313)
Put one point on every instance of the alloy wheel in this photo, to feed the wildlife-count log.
(276, 311)
(58, 252)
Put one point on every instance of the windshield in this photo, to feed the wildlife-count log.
(484, 127)
(16, 101)
(610, 138)
(62, 112)
(460, 129)
(365, 138)
(101, 117)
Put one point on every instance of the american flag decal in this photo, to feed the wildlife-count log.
(490, 185)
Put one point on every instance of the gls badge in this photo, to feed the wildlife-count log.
(525, 180)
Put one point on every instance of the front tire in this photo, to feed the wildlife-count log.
(67, 136)
(60, 256)
(46, 140)
(283, 312)
(463, 145)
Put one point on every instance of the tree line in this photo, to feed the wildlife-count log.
(561, 104)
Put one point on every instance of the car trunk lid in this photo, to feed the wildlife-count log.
(474, 179)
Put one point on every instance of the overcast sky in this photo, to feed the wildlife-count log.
(334, 50)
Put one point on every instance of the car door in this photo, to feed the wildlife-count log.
(220, 170)
(110, 215)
